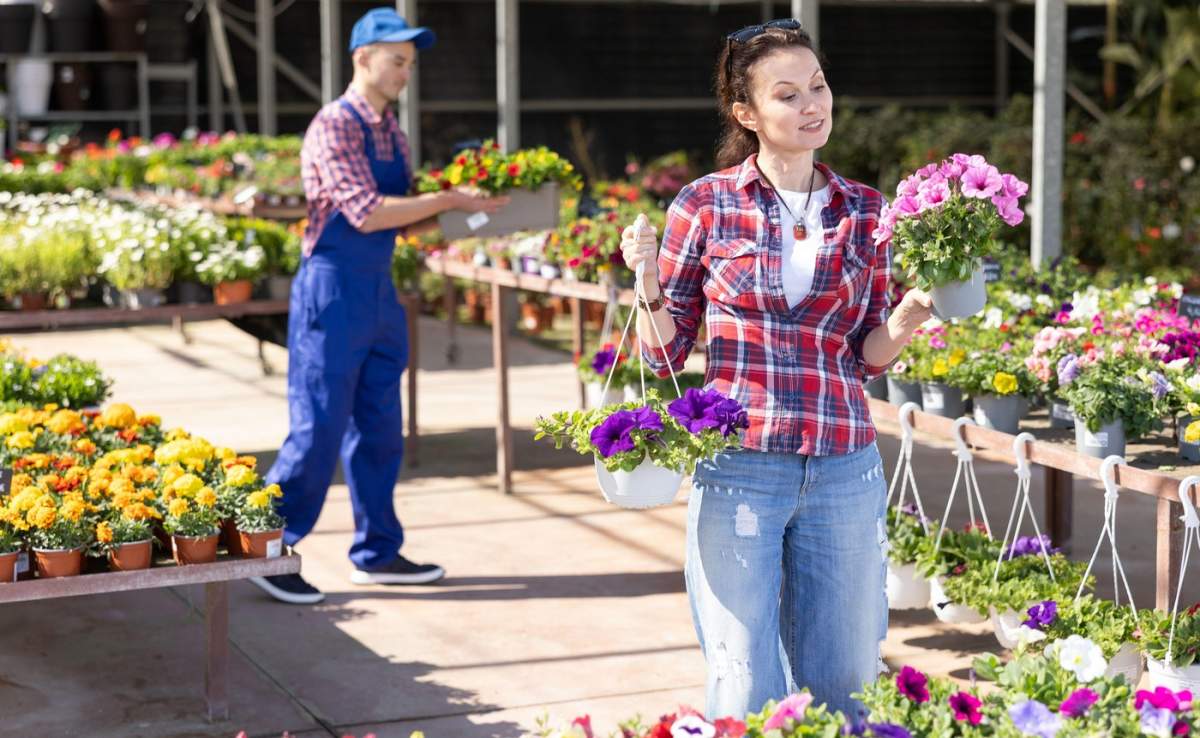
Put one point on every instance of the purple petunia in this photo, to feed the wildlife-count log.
(1068, 369)
(614, 435)
(603, 360)
(1041, 615)
(700, 410)
(1033, 718)
(966, 707)
(1029, 545)
(1156, 721)
(1160, 385)
(912, 684)
(877, 730)
(1078, 703)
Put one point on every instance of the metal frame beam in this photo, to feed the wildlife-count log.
(1049, 77)
(409, 112)
(331, 49)
(809, 14)
(268, 122)
(508, 71)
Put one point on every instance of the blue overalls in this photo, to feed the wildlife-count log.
(347, 347)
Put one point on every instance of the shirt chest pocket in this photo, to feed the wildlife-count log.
(733, 269)
(857, 255)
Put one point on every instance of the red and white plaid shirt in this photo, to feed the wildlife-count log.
(799, 371)
(334, 165)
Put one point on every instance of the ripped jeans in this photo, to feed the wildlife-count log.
(785, 575)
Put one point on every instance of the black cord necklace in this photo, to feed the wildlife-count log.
(800, 229)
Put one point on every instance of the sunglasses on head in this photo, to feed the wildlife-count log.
(750, 32)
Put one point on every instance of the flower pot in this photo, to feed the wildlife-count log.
(279, 286)
(8, 566)
(1189, 451)
(194, 550)
(25, 568)
(142, 298)
(131, 556)
(998, 413)
(118, 83)
(231, 293)
(1061, 415)
(194, 293)
(530, 265)
(267, 544)
(71, 24)
(16, 27)
(72, 86)
(29, 82)
(877, 388)
(58, 562)
(949, 611)
(31, 301)
(941, 399)
(906, 589)
(900, 392)
(646, 486)
(1109, 440)
(527, 210)
(1177, 678)
(960, 299)
(597, 397)
(231, 537)
(1127, 662)
(125, 24)
(1006, 625)
(550, 271)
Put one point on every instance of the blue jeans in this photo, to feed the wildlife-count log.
(785, 575)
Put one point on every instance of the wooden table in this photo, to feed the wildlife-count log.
(215, 577)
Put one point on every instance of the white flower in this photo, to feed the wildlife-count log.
(1193, 382)
(1172, 230)
(1020, 301)
(1187, 164)
(691, 726)
(1025, 636)
(993, 318)
(1142, 297)
(574, 731)
(1150, 281)
(1079, 656)
(1043, 300)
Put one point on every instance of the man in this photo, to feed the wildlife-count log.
(347, 333)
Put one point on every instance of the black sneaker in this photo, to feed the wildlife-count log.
(400, 571)
(289, 588)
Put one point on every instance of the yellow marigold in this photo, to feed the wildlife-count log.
(206, 497)
(138, 511)
(21, 439)
(170, 474)
(261, 498)
(104, 533)
(240, 476)
(26, 498)
(120, 486)
(1193, 408)
(177, 507)
(187, 485)
(149, 419)
(224, 453)
(273, 490)
(11, 423)
(122, 500)
(73, 510)
(64, 421)
(940, 368)
(957, 356)
(42, 517)
(85, 447)
(176, 434)
(20, 481)
(1192, 433)
(117, 415)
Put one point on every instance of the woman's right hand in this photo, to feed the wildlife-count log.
(640, 249)
(474, 200)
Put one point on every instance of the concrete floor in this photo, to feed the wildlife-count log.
(556, 604)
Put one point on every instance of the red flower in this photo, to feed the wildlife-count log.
(1088, 346)
(1004, 328)
(445, 183)
(461, 161)
(1139, 184)
(1193, 609)
(663, 729)
(729, 728)
(1079, 137)
(584, 722)
(128, 435)
(114, 135)
(1154, 232)
(436, 174)
(514, 170)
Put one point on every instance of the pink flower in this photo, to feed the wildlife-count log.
(966, 707)
(1005, 347)
(585, 723)
(909, 186)
(981, 182)
(906, 206)
(1013, 187)
(1063, 317)
(937, 342)
(967, 161)
(792, 708)
(934, 192)
(1008, 209)
(951, 169)
(912, 684)
(927, 170)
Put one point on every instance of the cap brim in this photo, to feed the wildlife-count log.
(422, 38)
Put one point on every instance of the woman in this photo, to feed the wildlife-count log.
(786, 537)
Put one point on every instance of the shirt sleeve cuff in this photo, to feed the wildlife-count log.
(657, 359)
(359, 211)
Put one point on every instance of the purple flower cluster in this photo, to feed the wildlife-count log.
(1068, 369)
(1041, 615)
(1029, 545)
(1078, 703)
(604, 359)
(913, 684)
(1182, 345)
(615, 434)
(700, 410)
(1159, 385)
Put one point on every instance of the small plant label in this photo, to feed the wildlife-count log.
(477, 221)
(991, 271)
(935, 401)
(1189, 306)
(275, 548)
(1059, 411)
(1095, 440)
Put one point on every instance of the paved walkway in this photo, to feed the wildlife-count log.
(555, 603)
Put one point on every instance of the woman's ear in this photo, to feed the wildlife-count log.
(744, 114)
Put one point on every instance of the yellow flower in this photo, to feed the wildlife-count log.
(42, 517)
(1004, 383)
(104, 533)
(206, 497)
(187, 485)
(26, 499)
(20, 481)
(63, 421)
(21, 439)
(1193, 408)
(117, 415)
(940, 368)
(273, 490)
(224, 453)
(178, 507)
(261, 498)
(138, 511)
(176, 434)
(73, 510)
(240, 476)
(85, 447)
(11, 423)
(120, 487)
(957, 356)
(149, 420)
(171, 474)
(1192, 434)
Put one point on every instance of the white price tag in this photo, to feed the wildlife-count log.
(477, 220)
(1061, 412)
(275, 548)
(245, 195)
(935, 401)
(1095, 440)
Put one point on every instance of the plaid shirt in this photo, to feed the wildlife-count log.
(799, 372)
(334, 165)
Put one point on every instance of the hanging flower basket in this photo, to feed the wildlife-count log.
(947, 610)
(1177, 678)
(906, 589)
(648, 485)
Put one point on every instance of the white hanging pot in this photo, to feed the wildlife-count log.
(1127, 662)
(949, 611)
(648, 485)
(597, 397)
(30, 84)
(906, 589)
(960, 299)
(1177, 678)
(1006, 625)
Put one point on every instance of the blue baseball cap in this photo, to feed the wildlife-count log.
(384, 25)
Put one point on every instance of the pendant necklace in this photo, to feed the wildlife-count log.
(800, 229)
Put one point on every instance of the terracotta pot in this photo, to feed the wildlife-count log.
(230, 537)
(231, 293)
(58, 562)
(131, 556)
(8, 567)
(195, 550)
(267, 544)
(33, 301)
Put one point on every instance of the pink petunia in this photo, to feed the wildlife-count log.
(981, 182)
(906, 206)
(934, 193)
(909, 186)
(927, 171)
(966, 707)
(1008, 210)
(937, 342)
(1013, 187)
(951, 169)
(792, 708)
(968, 161)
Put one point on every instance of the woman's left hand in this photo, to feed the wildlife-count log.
(915, 308)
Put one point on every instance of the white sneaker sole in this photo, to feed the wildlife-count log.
(367, 577)
(284, 596)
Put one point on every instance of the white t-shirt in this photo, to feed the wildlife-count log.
(800, 258)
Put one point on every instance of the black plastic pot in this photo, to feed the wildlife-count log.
(16, 28)
(72, 86)
(72, 24)
(125, 24)
(118, 82)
